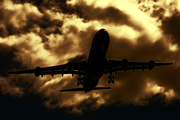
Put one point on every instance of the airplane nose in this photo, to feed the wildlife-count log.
(103, 30)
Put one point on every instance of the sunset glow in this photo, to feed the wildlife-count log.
(56, 32)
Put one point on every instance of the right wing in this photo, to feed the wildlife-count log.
(69, 68)
(114, 65)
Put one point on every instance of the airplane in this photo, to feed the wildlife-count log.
(94, 67)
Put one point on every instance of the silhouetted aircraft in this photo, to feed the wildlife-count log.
(94, 67)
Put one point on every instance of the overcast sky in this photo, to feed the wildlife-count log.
(53, 32)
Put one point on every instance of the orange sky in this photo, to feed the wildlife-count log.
(52, 33)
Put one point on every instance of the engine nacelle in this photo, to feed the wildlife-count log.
(124, 63)
(4, 73)
(37, 71)
(151, 64)
(70, 66)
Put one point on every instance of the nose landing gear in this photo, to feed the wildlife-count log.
(111, 79)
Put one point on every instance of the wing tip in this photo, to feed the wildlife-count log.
(173, 61)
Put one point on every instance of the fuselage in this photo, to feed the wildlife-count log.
(96, 60)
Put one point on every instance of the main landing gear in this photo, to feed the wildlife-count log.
(80, 80)
(111, 79)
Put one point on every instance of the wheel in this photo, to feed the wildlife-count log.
(113, 81)
(109, 81)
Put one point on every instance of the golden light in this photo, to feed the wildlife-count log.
(170, 94)
(75, 21)
(75, 99)
(18, 16)
(100, 101)
(152, 87)
(56, 79)
(178, 5)
(173, 47)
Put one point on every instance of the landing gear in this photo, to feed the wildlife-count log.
(111, 79)
(80, 81)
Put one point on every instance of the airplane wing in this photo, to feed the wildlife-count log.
(124, 65)
(69, 68)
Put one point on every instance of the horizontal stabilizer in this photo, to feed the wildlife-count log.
(74, 89)
(100, 88)
(82, 89)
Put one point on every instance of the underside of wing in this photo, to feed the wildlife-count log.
(69, 68)
(82, 89)
(124, 65)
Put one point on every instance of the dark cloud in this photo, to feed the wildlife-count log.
(144, 8)
(1, 1)
(67, 46)
(158, 13)
(61, 48)
(14, 85)
(45, 23)
(106, 15)
(8, 57)
(85, 39)
(87, 12)
(171, 27)
(139, 1)
(5, 16)
(54, 5)
(109, 15)
(132, 85)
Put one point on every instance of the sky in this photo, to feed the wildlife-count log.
(53, 32)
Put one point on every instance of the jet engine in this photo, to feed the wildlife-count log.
(151, 64)
(4, 73)
(124, 63)
(37, 71)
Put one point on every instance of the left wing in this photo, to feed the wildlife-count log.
(114, 66)
(69, 68)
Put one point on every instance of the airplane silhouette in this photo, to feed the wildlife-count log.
(94, 67)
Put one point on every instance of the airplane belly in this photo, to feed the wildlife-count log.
(96, 60)
(94, 73)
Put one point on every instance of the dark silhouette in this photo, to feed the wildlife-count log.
(94, 67)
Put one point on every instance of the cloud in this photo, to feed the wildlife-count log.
(170, 27)
(43, 5)
(109, 15)
(78, 58)
(158, 13)
(45, 40)
(8, 57)
(26, 19)
(9, 60)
